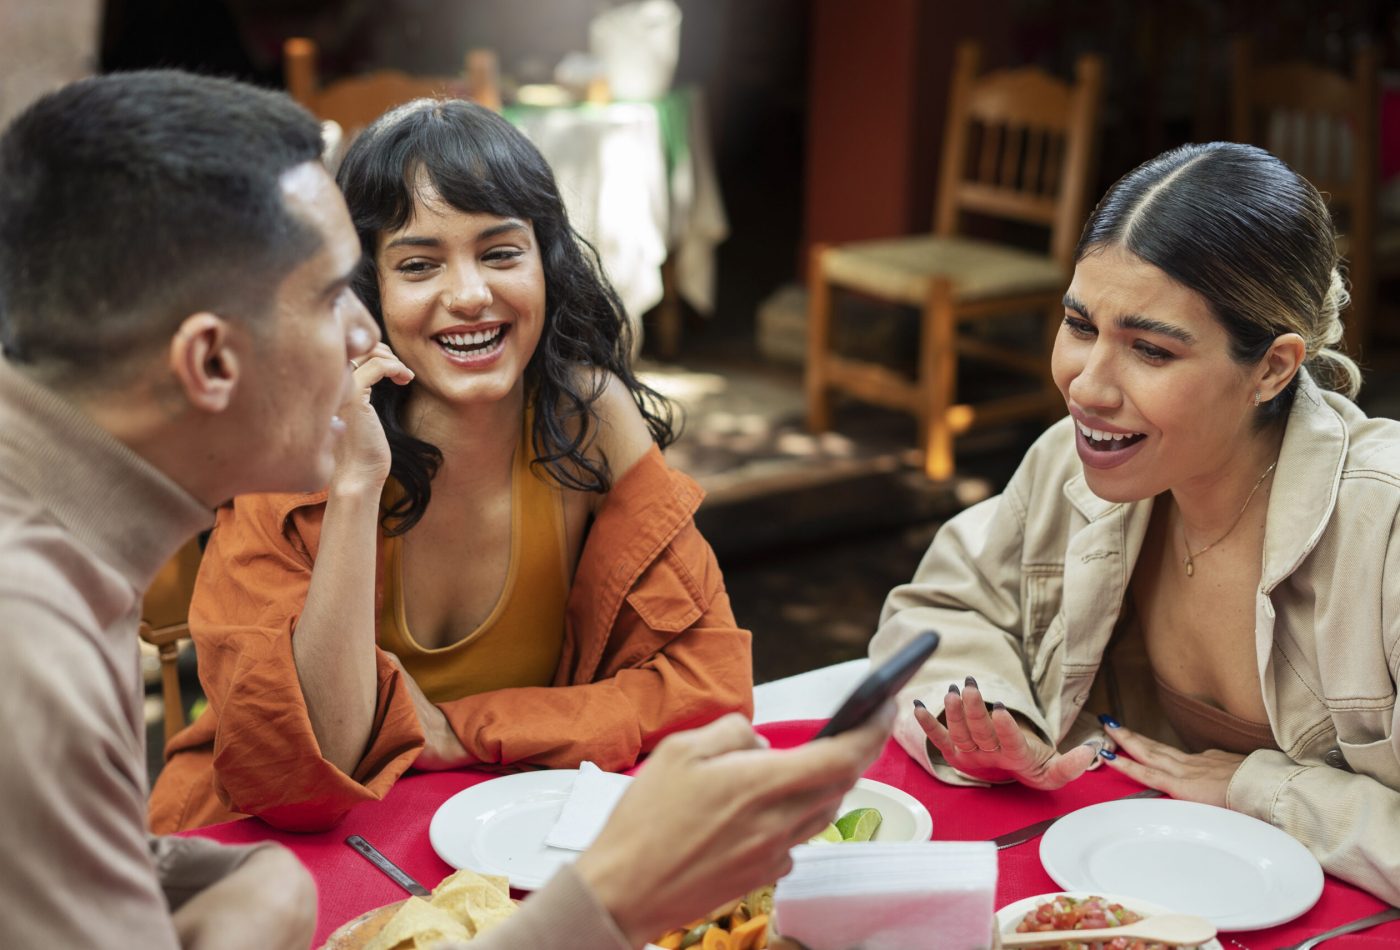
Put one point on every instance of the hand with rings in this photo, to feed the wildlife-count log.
(988, 743)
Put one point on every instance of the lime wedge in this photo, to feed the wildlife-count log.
(859, 824)
(829, 833)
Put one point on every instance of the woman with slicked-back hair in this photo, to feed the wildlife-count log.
(1196, 577)
(504, 571)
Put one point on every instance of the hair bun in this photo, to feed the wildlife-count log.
(1333, 368)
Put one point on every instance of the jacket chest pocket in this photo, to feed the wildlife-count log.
(667, 596)
(1046, 658)
(1041, 589)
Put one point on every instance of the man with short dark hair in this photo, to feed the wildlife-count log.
(178, 328)
(177, 322)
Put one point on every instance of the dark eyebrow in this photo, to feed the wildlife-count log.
(1135, 321)
(413, 240)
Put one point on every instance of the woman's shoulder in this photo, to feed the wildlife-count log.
(622, 435)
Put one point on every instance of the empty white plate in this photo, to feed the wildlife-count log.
(1237, 871)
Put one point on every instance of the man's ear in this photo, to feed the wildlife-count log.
(203, 359)
(1280, 364)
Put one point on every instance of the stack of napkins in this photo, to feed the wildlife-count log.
(591, 800)
(895, 896)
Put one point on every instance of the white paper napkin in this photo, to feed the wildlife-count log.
(889, 896)
(585, 812)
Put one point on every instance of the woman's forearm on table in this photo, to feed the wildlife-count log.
(333, 644)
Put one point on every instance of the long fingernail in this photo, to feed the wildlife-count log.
(918, 704)
(1108, 755)
(996, 706)
(970, 683)
(1109, 721)
(953, 688)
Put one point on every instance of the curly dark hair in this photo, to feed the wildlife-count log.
(480, 164)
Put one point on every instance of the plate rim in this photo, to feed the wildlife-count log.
(526, 883)
(1145, 907)
(1063, 829)
(923, 819)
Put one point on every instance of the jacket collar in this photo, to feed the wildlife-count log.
(126, 511)
(1304, 495)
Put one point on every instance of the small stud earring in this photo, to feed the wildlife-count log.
(1256, 398)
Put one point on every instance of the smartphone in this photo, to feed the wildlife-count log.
(881, 684)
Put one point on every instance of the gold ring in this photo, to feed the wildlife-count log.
(354, 365)
(971, 748)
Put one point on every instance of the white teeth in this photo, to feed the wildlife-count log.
(476, 338)
(1101, 436)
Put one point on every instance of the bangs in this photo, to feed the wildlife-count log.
(470, 158)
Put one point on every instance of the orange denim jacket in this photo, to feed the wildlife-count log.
(650, 648)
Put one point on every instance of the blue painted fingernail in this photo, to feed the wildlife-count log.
(970, 683)
(1108, 755)
(953, 688)
(919, 705)
(996, 706)
(1109, 721)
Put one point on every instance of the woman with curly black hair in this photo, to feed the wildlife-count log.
(503, 570)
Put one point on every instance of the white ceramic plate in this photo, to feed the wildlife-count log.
(499, 826)
(903, 817)
(1010, 915)
(1237, 871)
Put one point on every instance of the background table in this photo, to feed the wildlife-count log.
(398, 826)
(639, 182)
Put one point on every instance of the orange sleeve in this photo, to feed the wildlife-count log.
(673, 659)
(249, 595)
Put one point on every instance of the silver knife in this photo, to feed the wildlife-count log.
(1022, 835)
(396, 874)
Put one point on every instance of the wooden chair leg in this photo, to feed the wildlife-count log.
(669, 314)
(818, 342)
(170, 689)
(938, 368)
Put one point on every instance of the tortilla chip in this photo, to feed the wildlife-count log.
(417, 926)
(479, 901)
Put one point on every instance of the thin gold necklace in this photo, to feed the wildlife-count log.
(1190, 559)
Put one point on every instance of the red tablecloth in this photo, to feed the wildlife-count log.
(398, 826)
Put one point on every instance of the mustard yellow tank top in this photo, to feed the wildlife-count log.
(519, 642)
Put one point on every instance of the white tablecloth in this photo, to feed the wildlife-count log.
(610, 162)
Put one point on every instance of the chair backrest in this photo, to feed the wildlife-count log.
(1322, 123)
(165, 613)
(356, 101)
(1020, 144)
(1326, 126)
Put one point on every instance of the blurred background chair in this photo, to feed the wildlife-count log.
(1019, 146)
(355, 101)
(1325, 124)
(165, 621)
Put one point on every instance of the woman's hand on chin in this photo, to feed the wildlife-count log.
(1194, 777)
(362, 455)
(988, 743)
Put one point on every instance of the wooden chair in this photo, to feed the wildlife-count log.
(356, 101)
(165, 613)
(1326, 126)
(1019, 145)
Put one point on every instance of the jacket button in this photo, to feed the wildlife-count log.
(1334, 758)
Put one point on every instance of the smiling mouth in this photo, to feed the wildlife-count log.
(466, 345)
(1101, 441)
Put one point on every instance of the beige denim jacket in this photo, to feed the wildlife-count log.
(1027, 589)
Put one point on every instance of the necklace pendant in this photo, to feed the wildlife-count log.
(1190, 568)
